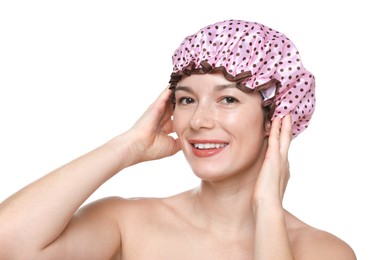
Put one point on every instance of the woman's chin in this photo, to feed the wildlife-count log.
(211, 174)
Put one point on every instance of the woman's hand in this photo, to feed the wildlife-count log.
(274, 175)
(151, 132)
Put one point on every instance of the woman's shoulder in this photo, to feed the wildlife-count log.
(144, 207)
(308, 242)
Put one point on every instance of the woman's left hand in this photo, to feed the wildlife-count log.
(274, 175)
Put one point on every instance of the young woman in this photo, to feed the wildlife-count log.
(238, 95)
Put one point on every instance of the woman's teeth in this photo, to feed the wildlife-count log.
(209, 146)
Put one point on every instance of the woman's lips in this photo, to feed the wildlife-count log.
(207, 148)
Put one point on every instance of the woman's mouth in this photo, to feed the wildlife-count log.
(201, 146)
(206, 149)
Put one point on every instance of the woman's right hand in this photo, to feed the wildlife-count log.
(150, 139)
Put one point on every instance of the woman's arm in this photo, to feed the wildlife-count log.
(271, 238)
(38, 220)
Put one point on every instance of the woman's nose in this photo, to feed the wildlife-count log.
(203, 117)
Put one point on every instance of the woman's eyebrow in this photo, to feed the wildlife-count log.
(183, 88)
(225, 86)
(220, 87)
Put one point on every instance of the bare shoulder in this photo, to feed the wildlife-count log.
(311, 243)
(150, 208)
(149, 224)
(133, 210)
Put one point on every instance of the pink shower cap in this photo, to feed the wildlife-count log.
(256, 57)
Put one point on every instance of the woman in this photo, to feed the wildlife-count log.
(238, 94)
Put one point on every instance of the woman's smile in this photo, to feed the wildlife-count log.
(207, 148)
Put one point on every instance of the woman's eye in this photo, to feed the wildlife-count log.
(185, 101)
(229, 100)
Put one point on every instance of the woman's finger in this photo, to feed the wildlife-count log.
(273, 140)
(285, 134)
(156, 112)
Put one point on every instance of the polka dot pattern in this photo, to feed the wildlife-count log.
(258, 58)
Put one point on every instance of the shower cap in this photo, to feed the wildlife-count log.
(256, 57)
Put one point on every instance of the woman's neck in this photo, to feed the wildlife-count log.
(224, 206)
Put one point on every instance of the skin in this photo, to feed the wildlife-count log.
(235, 213)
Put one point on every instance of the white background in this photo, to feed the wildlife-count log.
(74, 74)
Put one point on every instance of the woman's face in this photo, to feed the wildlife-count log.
(221, 128)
